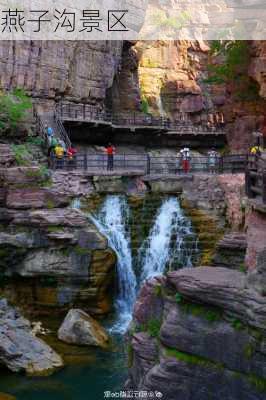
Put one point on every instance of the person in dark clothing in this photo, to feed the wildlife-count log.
(110, 151)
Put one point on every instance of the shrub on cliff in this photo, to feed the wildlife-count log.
(13, 110)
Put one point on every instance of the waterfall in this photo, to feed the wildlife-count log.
(171, 241)
(160, 106)
(112, 222)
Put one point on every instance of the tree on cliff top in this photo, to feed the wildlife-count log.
(230, 64)
(13, 110)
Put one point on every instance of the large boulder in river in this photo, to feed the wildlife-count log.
(20, 350)
(81, 329)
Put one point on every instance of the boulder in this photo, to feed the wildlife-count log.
(81, 329)
(20, 350)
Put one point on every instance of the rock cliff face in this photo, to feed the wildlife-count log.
(199, 334)
(50, 70)
(51, 255)
(162, 77)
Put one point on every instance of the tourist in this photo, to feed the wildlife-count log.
(255, 152)
(212, 160)
(52, 145)
(185, 157)
(110, 151)
(59, 153)
(71, 156)
(49, 131)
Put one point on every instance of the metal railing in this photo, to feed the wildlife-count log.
(143, 164)
(256, 178)
(90, 113)
(56, 124)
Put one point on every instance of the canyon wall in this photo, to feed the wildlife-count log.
(159, 77)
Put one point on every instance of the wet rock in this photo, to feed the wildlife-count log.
(20, 350)
(79, 328)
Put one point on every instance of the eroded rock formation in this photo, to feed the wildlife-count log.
(199, 334)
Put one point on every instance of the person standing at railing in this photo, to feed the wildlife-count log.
(212, 161)
(59, 153)
(110, 151)
(185, 157)
(71, 157)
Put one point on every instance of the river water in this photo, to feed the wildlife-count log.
(171, 241)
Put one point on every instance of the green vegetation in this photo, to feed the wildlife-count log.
(130, 353)
(144, 105)
(178, 298)
(22, 154)
(209, 313)
(258, 382)
(148, 63)
(153, 327)
(42, 173)
(50, 204)
(158, 290)
(81, 251)
(161, 19)
(236, 324)
(249, 350)
(13, 110)
(234, 69)
(193, 359)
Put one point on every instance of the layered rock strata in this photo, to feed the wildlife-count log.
(199, 334)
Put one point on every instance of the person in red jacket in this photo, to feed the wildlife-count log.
(110, 151)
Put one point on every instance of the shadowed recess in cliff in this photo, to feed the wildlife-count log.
(171, 243)
(112, 221)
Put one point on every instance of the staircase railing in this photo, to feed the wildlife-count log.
(61, 131)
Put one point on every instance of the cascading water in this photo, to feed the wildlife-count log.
(171, 242)
(112, 222)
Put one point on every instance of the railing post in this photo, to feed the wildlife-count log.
(264, 186)
(85, 162)
(148, 164)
